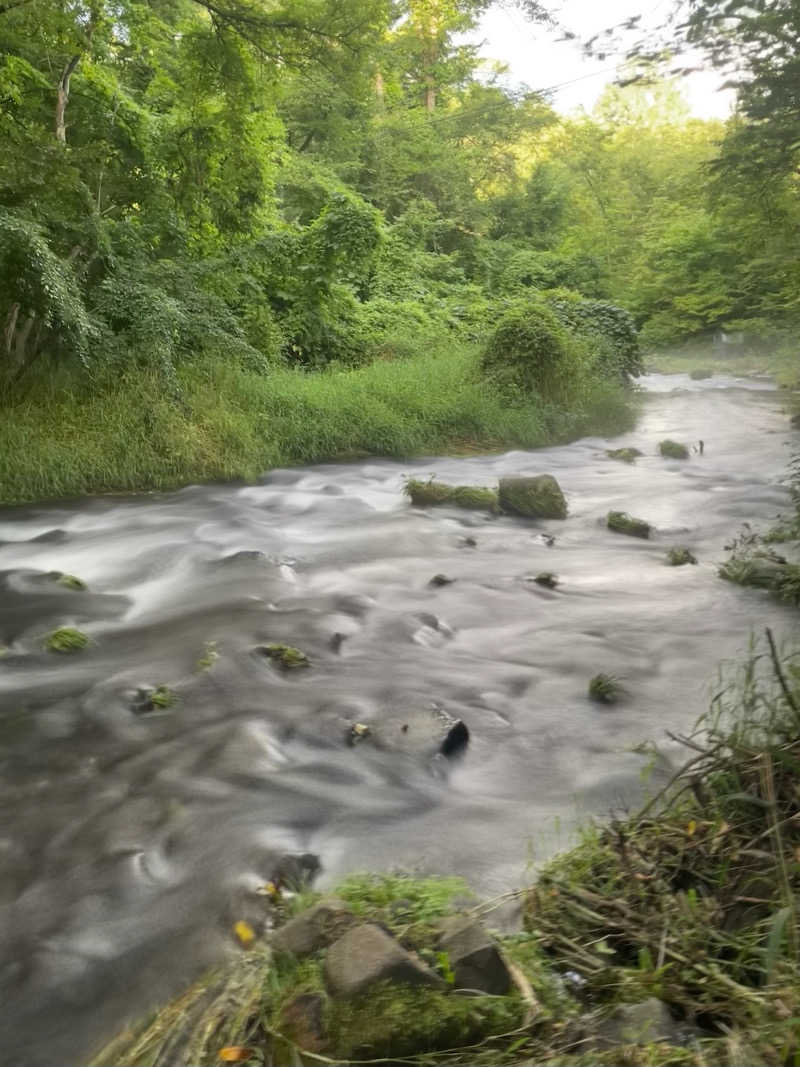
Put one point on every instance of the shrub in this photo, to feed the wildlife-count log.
(609, 330)
(531, 352)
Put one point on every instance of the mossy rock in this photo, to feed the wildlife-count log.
(679, 557)
(163, 697)
(427, 494)
(626, 455)
(69, 581)
(605, 689)
(66, 640)
(287, 657)
(475, 498)
(537, 497)
(547, 579)
(699, 374)
(622, 522)
(399, 1020)
(673, 450)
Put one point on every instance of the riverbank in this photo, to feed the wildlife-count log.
(143, 431)
(665, 938)
(706, 359)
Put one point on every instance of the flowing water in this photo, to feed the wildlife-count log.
(131, 840)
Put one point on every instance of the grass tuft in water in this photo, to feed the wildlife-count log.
(286, 657)
(605, 689)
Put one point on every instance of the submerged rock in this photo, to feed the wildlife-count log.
(440, 580)
(673, 450)
(626, 455)
(284, 656)
(645, 1023)
(456, 739)
(679, 557)
(546, 579)
(535, 497)
(622, 522)
(365, 955)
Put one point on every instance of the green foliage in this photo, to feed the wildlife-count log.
(66, 640)
(410, 899)
(162, 697)
(529, 352)
(599, 320)
(605, 689)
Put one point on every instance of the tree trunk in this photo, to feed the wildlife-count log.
(21, 341)
(10, 328)
(62, 99)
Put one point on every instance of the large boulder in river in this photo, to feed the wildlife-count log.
(536, 497)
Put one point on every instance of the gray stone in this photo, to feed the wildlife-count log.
(473, 956)
(303, 1021)
(365, 955)
(645, 1023)
(537, 497)
(313, 929)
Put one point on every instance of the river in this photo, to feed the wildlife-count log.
(132, 841)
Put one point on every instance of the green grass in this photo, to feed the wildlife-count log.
(65, 436)
(605, 689)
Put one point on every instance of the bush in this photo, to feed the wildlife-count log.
(531, 352)
(609, 330)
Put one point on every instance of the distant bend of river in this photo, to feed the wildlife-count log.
(132, 841)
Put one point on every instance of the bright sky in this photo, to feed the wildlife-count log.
(537, 59)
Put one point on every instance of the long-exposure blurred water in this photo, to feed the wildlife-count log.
(131, 842)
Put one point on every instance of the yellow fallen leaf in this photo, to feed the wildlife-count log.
(235, 1053)
(690, 829)
(269, 889)
(244, 931)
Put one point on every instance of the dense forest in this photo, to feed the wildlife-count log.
(201, 202)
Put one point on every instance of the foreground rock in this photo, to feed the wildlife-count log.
(537, 497)
(646, 1023)
(366, 955)
(473, 956)
(314, 929)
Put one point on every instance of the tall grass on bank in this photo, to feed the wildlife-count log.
(67, 436)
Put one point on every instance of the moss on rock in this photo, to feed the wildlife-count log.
(537, 497)
(163, 697)
(66, 639)
(626, 455)
(474, 497)
(673, 450)
(679, 556)
(622, 522)
(427, 494)
(287, 657)
(69, 581)
(470, 497)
